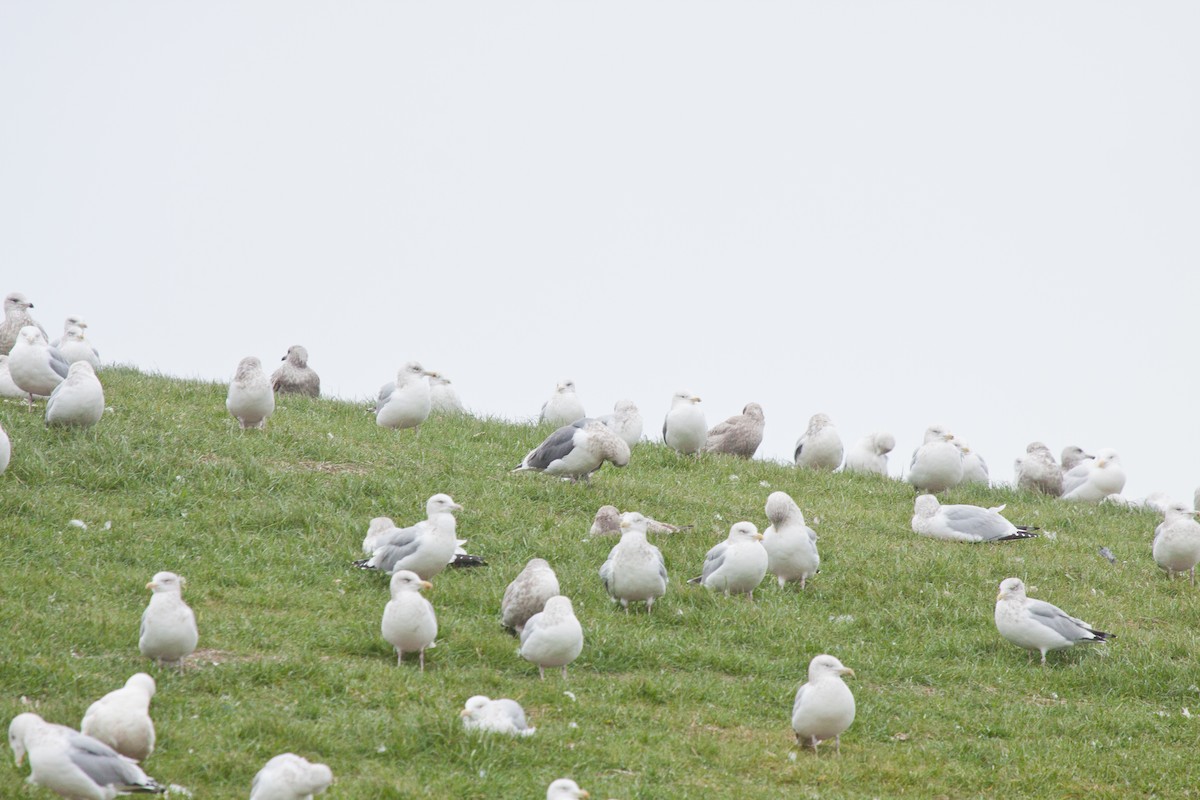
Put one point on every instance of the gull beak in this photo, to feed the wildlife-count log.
(949, 437)
(758, 537)
(151, 585)
(426, 585)
(432, 374)
(695, 399)
(283, 359)
(625, 524)
(846, 671)
(584, 793)
(999, 596)
(20, 759)
(464, 713)
(456, 507)
(1101, 463)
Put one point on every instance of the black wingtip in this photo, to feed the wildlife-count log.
(363, 564)
(1101, 636)
(1020, 534)
(695, 580)
(1027, 528)
(465, 560)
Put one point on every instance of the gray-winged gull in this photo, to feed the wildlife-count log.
(250, 399)
(552, 637)
(790, 544)
(975, 469)
(406, 403)
(819, 447)
(576, 451)
(565, 789)
(964, 523)
(824, 705)
(74, 347)
(1037, 471)
(121, 719)
(563, 407)
(1176, 546)
(72, 321)
(36, 367)
(739, 435)
(736, 565)
(409, 623)
(16, 316)
(168, 633)
(527, 594)
(625, 421)
(635, 570)
(1037, 625)
(294, 375)
(290, 777)
(443, 398)
(481, 713)
(870, 454)
(1072, 456)
(1092, 481)
(425, 548)
(937, 464)
(78, 400)
(685, 429)
(375, 530)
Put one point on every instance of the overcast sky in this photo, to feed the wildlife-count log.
(980, 214)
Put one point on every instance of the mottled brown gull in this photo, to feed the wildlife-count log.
(740, 435)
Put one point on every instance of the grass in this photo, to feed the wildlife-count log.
(691, 701)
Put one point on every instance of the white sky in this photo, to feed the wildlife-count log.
(980, 214)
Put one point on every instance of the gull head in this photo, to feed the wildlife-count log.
(926, 505)
(166, 582)
(16, 302)
(824, 666)
(1178, 510)
(297, 356)
(565, 789)
(31, 335)
(782, 508)
(565, 386)
(74, 334)
(404, 580)
(1011, 589)
(248, 368)
(18, 729)
(1107, 457)
(474, 706)
(753, 411)
(441, 504)
(745, 531)
(142, 682)
(682, 398)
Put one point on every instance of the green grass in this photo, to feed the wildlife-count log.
(691, 701)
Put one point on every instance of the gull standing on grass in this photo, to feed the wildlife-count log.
(36, 367)
(250, 400)
(527, 594)
(964, 523)
(295, 376)
(78, 400)
(16, 317)
(483, 714)
(739, 435)
(425, 548)
(635, 569)
(1176, 546)
(75, 348)
(937, 465)
(820, 447)
(407, 402)
(1037, 471)
(790, 544)
(553, 637)
(121, 719)
(408, 620)
(168, 633)
(73, 764)
(1037, 625)
(824, 705)
(290, 777)
(870, 454)
(625, 421)
(1092, 481)
(736, 565)
(563, 407)
(576, 451)
(685, 429)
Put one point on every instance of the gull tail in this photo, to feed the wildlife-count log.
(1020, 534)
(365, 563)
(1099, 636)
(150, 786)
(697, 579)
(467, 560)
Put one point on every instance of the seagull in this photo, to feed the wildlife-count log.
(625, 421)
(168, 633)
(35, 367)
(7, 387)
(527, 594)
(443, 399)
(736, 565)
(250, 399)
(975, 469)
(78, 400)
(635, 569)
(375, 530)
(482, 713)
(790, 544)
(289, 777)
(963, 523)
(576, 451)
(407, 402)
(73, 764)
(1092, 481)
(563, 407)
(820, 447)
(74, 348)
(121, 719)
(552, 637)
(937, 464)
(608, 522)
(685, 430)
(1037, 471)
(425, 548)
(1176, 546)
(408, 619)
(1036, 625)
(565, 789)
(1072, 456)
(869, 454)
(739, 435)
(5, 450)
(824, 705)
(72, 321)
(16, 317)
(295, 376)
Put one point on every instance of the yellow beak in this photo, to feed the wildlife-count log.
(426, 585)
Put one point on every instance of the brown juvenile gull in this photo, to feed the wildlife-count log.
(16, 316)
(937, 464)
(1037, 625)
(820, 447)
(250, 400)
(527, 594)
(964, 523)
(1037, 471)
(405, 403)
(553, 637)
(121, 719)
(576, 451)
(608, 523)
(290, 777)
(408, 620)
(736, 565)
(1092, 481)
(1176, 546)
(790, 544)
(625, 421)
(36, 367)
(870, 454)
(74, 348)
(739, 435)
(563, 407)
(168, 633)
(635, 570)
(295, 376)
(685, 430)
(824, 705)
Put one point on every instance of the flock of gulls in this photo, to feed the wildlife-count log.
(102, 758)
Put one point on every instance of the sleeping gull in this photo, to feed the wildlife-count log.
(121, 719)
(739, 435)
(290, 777)
(1037, 471)
(736, 565)
(820, 447)
(625, 421)
(869, 454)
(607, 522)
(1037, 625)
(685, 429)
(78, 400)
(1176, 546)
(5, 450)
(375, 530)
(565, 789)
(443, 399)
(250, 400)
(168, 633)
(408, 620)
(563, 407)
(406, 403)
(527, 594)
(635, 569)
(576, 451)
(16, 317)
(936, 464)
(7, 387)
(552, 637)
(481, 713)
(294, 375)
(36, 367)
(72, 321)
(963, 523)
(73, 764)
(1072, 456)
(425, 548)
(824, 705)
(1092, 481)
(790, 544)
(975, 469)
(75, 348)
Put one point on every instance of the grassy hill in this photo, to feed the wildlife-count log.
(691, 701)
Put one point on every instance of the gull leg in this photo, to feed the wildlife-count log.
(399, 657)
(421, 658)
(564, 672)
(541, 672)
(837, 744)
